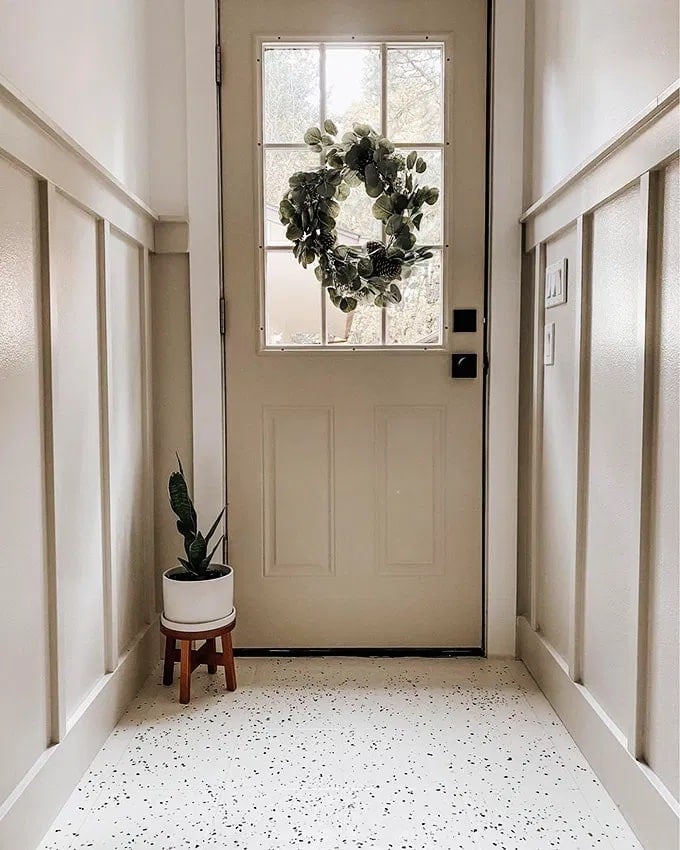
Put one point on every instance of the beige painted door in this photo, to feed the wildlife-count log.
(354, 460)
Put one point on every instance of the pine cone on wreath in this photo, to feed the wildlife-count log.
(387, 267)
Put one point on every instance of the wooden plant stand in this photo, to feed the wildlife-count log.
(189, 658)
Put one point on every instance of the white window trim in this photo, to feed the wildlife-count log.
(444, 41)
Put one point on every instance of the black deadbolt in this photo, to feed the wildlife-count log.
(463, 365)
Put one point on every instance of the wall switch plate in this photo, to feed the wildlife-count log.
(556, 283)
(549, 345)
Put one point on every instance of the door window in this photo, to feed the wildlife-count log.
(397, 88)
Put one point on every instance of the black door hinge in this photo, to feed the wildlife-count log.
(223, 316)
(218, 65)
(486, 363)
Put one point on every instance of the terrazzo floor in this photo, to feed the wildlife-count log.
(331, 753)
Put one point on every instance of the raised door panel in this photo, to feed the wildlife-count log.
(410, 467)
(24, 732)
(298, 491)
(77, 453)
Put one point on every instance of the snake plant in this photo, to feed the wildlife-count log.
(197, 561)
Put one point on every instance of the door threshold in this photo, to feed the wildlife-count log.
(363, 652)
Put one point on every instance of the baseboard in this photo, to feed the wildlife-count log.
(645, 803)
(28, 813)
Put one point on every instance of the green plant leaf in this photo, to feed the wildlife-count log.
(330, 127)
(365, 267)
(197, 549)
(205, 564)
(411, 159)
(293, 232)
(181, 503)
(382, 208)
(213, 527)
(421, 165)
(312, 136)
(361, 129)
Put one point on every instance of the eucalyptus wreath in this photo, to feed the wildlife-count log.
(350, 273)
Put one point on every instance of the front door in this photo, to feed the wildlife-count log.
(354, 459)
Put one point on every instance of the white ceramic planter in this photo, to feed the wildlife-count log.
(198, 601)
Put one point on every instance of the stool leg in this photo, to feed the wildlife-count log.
(185, 671)
(169, 665)
(228, 660)
(212, 648)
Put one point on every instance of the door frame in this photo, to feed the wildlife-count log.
(505, 131)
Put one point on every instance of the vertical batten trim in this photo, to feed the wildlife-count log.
(536, 432)
(582, 301)
(147, 425)
(104, 355)
(649, 342)
(57, 715)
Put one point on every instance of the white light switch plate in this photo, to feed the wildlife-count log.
(549, 344)
(556, 283)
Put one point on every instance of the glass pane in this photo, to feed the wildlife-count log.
(353, 86)
(414, 94)
(361, 327)
(291, 92)
(292, 302)
(356, 223)
(431, 226)
(278, 167)
(417, 319)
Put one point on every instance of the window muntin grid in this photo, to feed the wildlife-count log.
(316, 86)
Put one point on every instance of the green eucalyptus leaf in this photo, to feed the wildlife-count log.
(312, 136)
(293, 232)
(382, 208)
(394, 224)
(365, 267)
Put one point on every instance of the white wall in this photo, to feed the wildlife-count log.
(593, 64)
(167, 107)
(84, 64)
(111, 74)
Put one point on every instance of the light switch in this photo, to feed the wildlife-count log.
(549, 344)
(556, 283)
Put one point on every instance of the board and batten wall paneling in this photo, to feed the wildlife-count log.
(615, 450)
(598, 599)
(76, 527)
(25, 727)
(556, 534)
(126, 437)
(662, 721)
(77, 452)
